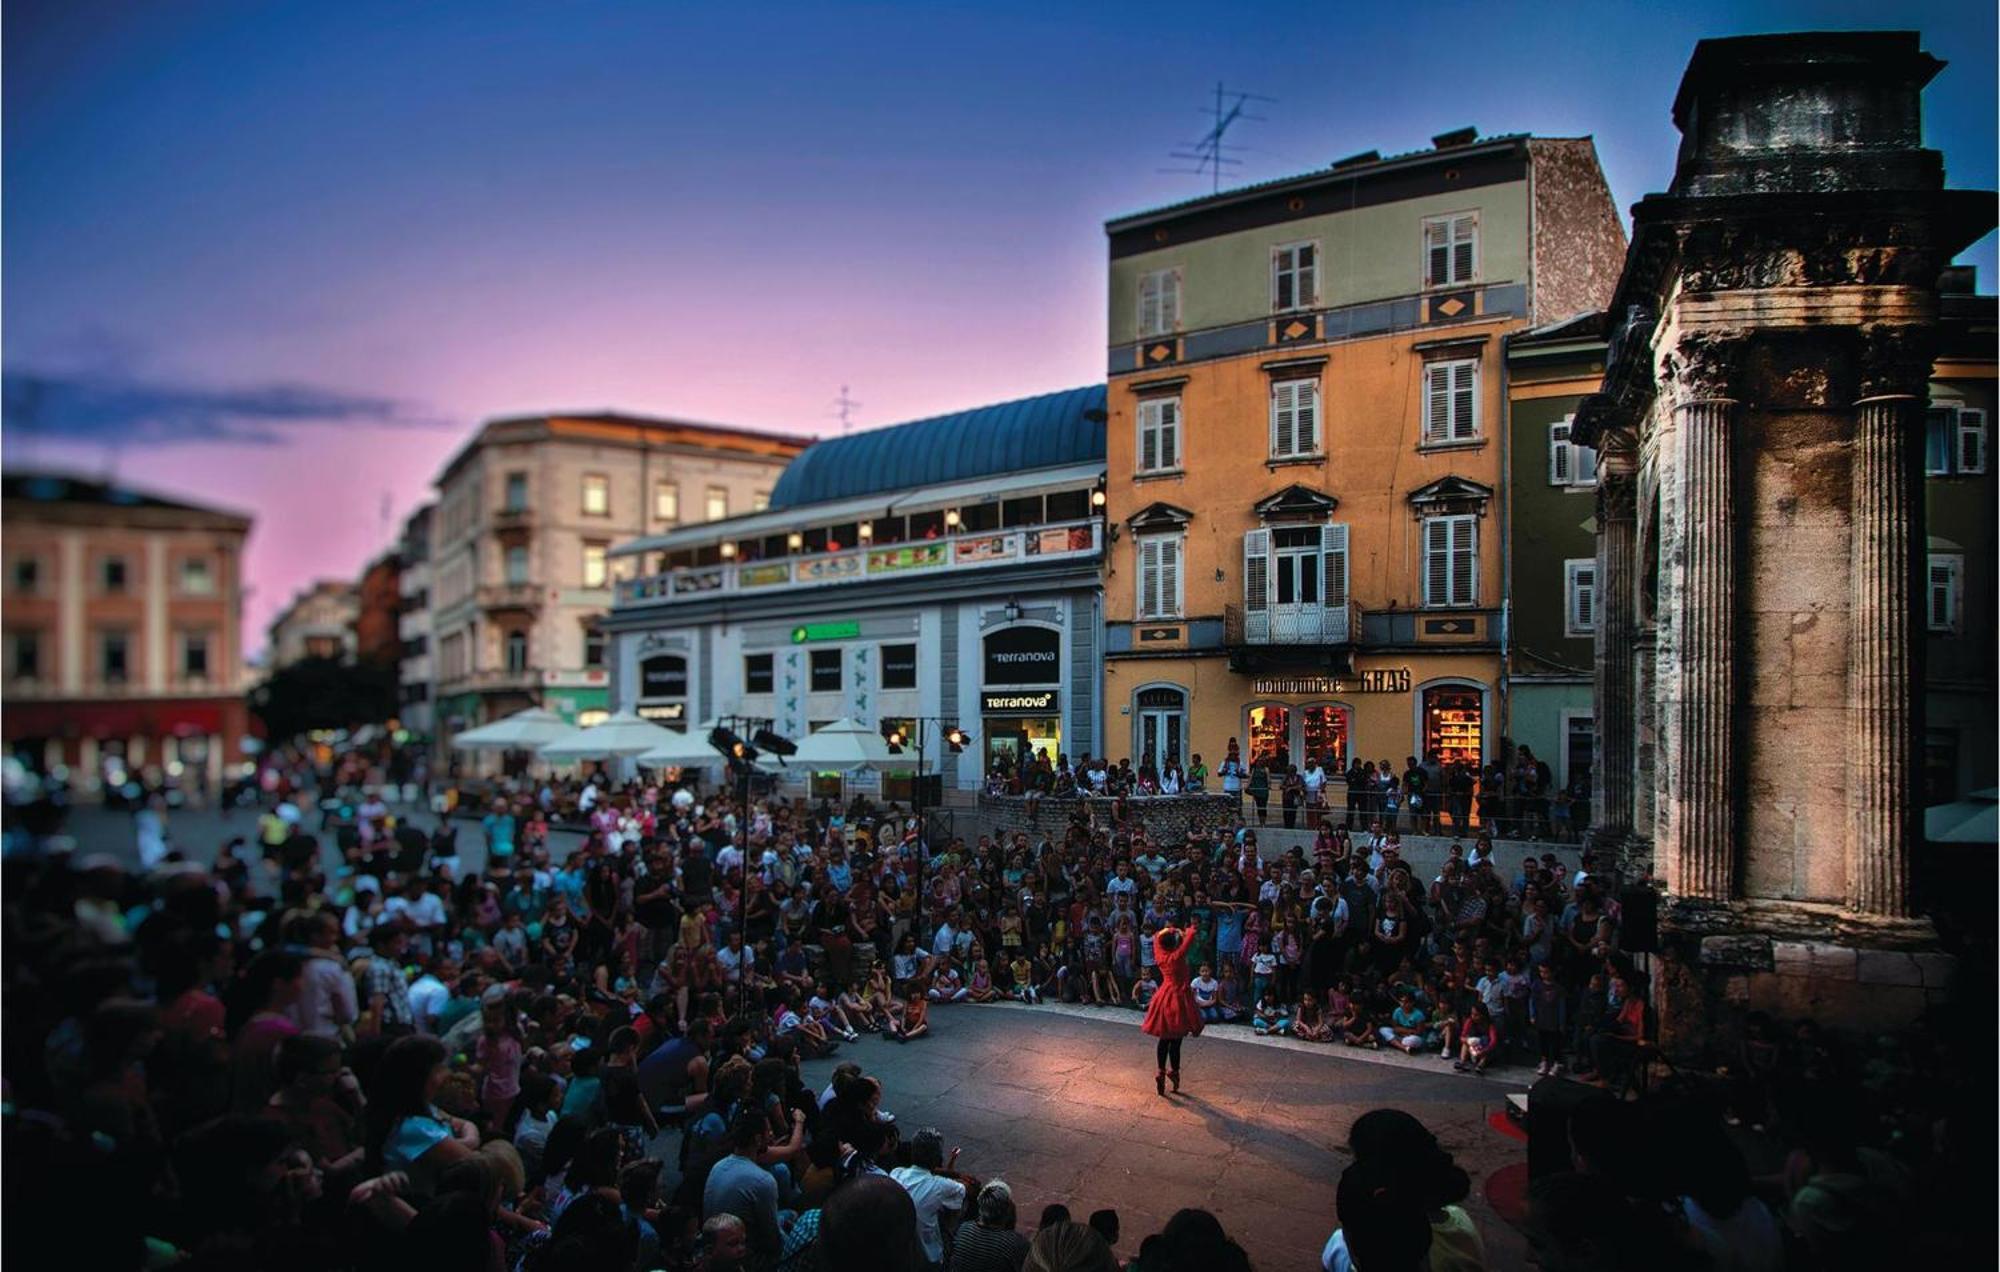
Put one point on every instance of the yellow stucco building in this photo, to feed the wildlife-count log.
(1306, 453)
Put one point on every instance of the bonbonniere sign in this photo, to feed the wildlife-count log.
(1024, 655)
(1380, 680)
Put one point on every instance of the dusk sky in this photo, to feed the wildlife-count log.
(284, 257)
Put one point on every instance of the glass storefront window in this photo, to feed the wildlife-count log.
(1014, 740)
(1325, 736)
(1270, 736)
(1452, 724)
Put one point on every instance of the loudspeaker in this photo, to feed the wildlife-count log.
(1639, 918)
(1550, 1104)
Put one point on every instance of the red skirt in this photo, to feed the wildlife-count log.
(1172, 1013)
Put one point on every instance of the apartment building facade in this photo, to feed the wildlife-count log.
(417, 699)
(123, 630)
(1306, 447)
(521, 569)
(318, 623)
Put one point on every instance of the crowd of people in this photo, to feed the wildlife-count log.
(1515, 796)
(357, 1050)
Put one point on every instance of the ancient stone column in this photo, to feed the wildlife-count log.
(1881, 689)
(1699, 673)
(1616, 630)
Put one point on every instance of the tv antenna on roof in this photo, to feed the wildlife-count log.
(1212, 154)
(843, 410)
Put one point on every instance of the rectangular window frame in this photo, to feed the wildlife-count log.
(510, 484)
(1461, 229)
(667, 502)
(1572, 465)
(597, 561)
(186, 646)
(1159, 302)
(596, 490)
(1580, 598)
(1969, 442)
(517, 552)
(123, 587)
(758, 667)
(27, 640)
(104, 673)
(1159, 439)
(826, 660)
(1453, 431)
(1162, 568)
(24, 576)
(191, 568)
(899, 683)
(1458, 575)
(1288, 396)
(1288, 274)
(1944, 593)
(713, 498)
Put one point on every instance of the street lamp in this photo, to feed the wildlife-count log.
(741, 759)
(955, 740)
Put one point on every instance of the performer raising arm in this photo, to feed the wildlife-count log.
(1171, 1015)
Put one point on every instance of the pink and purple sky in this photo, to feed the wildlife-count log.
(285, 256)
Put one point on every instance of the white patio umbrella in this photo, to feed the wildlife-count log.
(621, 736)
(845, 744)
(523, 731)
(684, 750)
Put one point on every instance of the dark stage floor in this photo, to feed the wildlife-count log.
(1063, 1108)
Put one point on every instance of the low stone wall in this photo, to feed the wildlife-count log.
(1166, 817)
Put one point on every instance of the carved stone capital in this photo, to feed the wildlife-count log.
(1702, 367)
(1894, 360)
(1617, 495)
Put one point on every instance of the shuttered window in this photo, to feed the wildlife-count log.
(1294, 418)
(1451, 401)
(1294, 276)
(1160, 577)
(1580, 591)
(1942, 598)
(1570, 463)
(1971, 453)
(1451, 249)
(1159, 434)
(1333, 550)
(1257, 570)
(1451, 561)
(1160, 302)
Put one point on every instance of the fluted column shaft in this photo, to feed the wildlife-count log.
(1881, 694)
(1616, 629)
(1701, 688)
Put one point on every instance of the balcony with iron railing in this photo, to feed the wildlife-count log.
(949, 555)
(1291, 625)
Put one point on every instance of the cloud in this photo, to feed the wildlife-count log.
(98, 407)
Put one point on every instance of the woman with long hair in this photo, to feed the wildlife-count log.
(1171, 1015)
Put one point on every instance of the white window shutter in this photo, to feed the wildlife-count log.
(1464, 561)
(1170, 433)
(1149, 446)
(1333, 551)
(1585, 459)
(1149, 304)
(1437, 253)
(1464, 401)
(1561, 465)
(1463, 232)
(1170, 578)
(1170, 301)
(1971, 440)
(1149, 577)
(1437, 402)
(1257, 570)
(1308, 285)
(1582, 589)
(1284, 418)
(1437, 561)
(1943, 594)
(1307, 400)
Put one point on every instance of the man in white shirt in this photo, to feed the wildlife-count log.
(734, 959)
(932, 1194)
(429, 992)
(587, 800)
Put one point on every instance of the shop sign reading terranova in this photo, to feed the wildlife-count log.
(1024, 655)
(1021, 702)
(1379, 680)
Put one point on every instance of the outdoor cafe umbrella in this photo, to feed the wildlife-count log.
(845, 744)
(682, 750)
(523, 731)
(621, 736)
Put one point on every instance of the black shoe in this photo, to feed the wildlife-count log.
(1160, 1082)
(1176, 1077)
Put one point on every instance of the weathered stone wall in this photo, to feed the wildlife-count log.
(1166, 818)
(1579, 237)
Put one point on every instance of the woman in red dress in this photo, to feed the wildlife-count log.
(1171, 1015)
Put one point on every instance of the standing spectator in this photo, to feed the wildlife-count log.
(738, 1186)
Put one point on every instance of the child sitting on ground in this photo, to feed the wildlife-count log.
(1311, 1024)
(981, 990)
(1022, 969)
(825, 1012)
(1269, 1017)
(1477, 1040)
(1145, 987)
